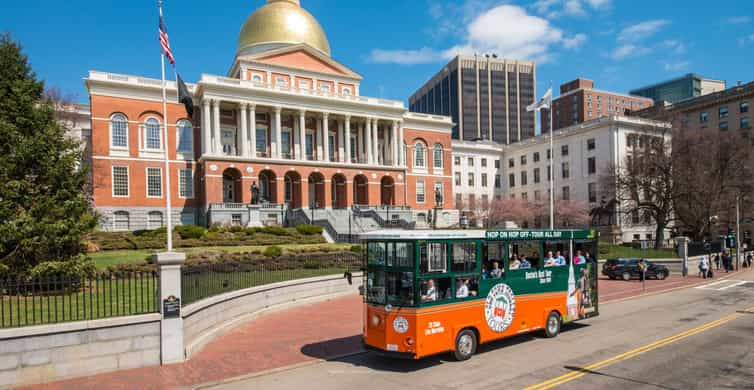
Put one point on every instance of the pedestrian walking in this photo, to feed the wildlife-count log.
(642, 270)
(704, 267)
(717, 261)
(747, 263)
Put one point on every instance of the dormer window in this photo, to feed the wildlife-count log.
(257, 78)
(304, 85)
(346, 91)
(324, 88)
(281, 81)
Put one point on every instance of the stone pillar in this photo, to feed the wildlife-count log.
(341, 142)
(394, 138)
(171, 324)
(242, 147)
(253, 131)
(360, 156)
(375, 143)
(347, 146)
(216, 127)
(326, 138)
(275, 141)
(206, 128)
(302, 133)
(401, 140)
(319, 139)
(368, 135)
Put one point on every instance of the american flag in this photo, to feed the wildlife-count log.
(165, 42)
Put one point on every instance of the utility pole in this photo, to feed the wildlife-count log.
(738, 230)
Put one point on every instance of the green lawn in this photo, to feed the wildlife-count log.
(105, 259)
(617, 251)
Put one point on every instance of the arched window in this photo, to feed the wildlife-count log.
(121, 221)
(420, 155)
(119, 131)
(185, 137)
(438, 156)
(152, 134)
(346, 91)
(154, 220)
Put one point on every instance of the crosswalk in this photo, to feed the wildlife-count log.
(727, 284)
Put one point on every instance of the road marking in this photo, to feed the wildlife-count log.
(714, 286)
(732, 285)
(557, 381)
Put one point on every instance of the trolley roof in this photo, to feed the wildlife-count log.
(458, 234)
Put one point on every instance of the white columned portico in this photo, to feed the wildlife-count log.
(302, 133)
(242, 147)
(216, 127)
(347, 145)
(319, 138)
(368, 135)
(326, 138)
(206, 128)
(275, 141)
(252, 130)
(394, 138)
(402, 150)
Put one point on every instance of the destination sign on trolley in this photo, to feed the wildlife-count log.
(493, 235)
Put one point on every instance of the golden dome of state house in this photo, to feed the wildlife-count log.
(285, 136)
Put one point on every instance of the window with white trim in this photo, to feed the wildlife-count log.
(154, 220)
(257, 78)
(120, 181)
(186, 183)
(154, 182)
(438, 156)
(346, 91)
(281, 81)
(185, 137)
(304, 85)
(152, 134)
(420, 155)
(118, 131)
(420, 193)
(324, 88)
(121, 221)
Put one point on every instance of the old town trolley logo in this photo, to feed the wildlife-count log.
(500, 307)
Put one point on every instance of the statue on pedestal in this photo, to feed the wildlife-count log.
(438, 197)
(254, 193)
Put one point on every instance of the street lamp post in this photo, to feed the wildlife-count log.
(738, 230)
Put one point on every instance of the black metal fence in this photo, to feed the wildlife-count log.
(203, 281)
(27, 302)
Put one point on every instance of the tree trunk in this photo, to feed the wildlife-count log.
(660, 233)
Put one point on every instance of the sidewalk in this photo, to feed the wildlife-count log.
(298, 335)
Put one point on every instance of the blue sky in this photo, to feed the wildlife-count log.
(398, 45)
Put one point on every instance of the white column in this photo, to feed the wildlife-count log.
(375, 142)
(302, 132)
(347, 146)
(206, 128)
(319, 138)
(326, 138)
(341, 142)
(401, 149)
(242, 147)
(360, 142)
(368, 135)
(275, 141)
(216, 127)
(252, 131)
(394, 137)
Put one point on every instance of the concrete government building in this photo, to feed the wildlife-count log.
(286, 117)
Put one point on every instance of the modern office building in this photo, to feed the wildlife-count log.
(287, 120)
(485, 96)
(727, 110)
(679, 89)
(579, 102)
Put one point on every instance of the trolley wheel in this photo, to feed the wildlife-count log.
(466, 344)
(552, 326)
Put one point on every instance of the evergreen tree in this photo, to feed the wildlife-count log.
(44, 211)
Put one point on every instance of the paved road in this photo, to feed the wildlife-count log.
(686, 339)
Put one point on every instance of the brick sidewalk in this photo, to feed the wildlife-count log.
(297, 335)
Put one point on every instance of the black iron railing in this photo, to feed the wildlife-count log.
(203, 281)
(27, 302)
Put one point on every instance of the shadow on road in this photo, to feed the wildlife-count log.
(356, 355)
(636, 381)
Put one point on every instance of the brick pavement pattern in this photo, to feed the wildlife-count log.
(297, 335)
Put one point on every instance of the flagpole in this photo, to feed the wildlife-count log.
(552, 169)
(168, 207)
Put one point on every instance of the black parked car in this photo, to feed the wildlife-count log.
(627, 269)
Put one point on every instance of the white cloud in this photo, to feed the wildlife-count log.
(676, 66)
(674, 46)
(556, 8)
(575, 41)
(642, 30)
(424, 55)
(597, 4)
(629, 50)
(739, 20)
(506, 30)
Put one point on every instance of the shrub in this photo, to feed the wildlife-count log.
(76, 268)
(309, 229)
(150, 233)
(214, 229)
(273, 251)
(355, 248)
(276, 231)
(187, 232)
(311, 265)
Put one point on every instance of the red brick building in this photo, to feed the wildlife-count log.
(580, 102)
(287, 118)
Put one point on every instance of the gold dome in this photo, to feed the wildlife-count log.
(279, 23)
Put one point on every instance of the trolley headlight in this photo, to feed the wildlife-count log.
(375, 320)
(409, 341)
